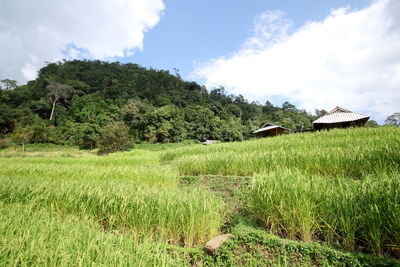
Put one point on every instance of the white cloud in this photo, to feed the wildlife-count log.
(350, 59)
(32, 32)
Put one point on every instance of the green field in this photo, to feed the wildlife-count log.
(330, 198)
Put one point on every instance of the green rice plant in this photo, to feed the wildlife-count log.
(282, 203)
(338, 187)
(138, 166)
(358, 214)
(178, 216)
(41, 237)
(160, 175)
(380, 202)
(340, 152)
(339, 211)
(49, 150)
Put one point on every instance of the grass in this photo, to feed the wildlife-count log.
(357, 214)
(44, 150)
(137, 166)
(39, 237)
(177, 216)
(350, 153)
(335, 194)
(255, 247)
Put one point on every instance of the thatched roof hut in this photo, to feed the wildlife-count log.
(340, 118)
(269, 130)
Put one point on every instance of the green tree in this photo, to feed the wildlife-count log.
(92, 108)
(134, 115)
(9, 84)
(86, 135)
(114, 137)
(320, 112)
(155, 105)
(288, 123)
(371, 124)
(286, 106)
(42, 131)
(23, 135)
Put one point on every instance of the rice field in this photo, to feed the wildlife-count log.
(32, 236)
(351, 153)
(357, 214)
(338, 188)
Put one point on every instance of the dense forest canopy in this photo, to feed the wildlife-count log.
(72, 102)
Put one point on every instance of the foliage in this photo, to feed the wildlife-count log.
(87, 135)
(155, 105)
(5, 142)
(371, 123)
(23, 135)
(9, 84)
(114, 137)
(255, 247)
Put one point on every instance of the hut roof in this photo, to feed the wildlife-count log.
(210, 142)
(268, 126)
(339, 114)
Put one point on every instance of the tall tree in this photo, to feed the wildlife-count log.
(57, 91)
(393, 119)
(320, 112)
(9, 84)
(286, 106)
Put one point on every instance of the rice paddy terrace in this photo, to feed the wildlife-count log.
(330, 198)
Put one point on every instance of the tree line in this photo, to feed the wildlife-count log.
(89, 103)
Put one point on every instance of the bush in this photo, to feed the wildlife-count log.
(85, 135)
(115, 137)
(6, 142)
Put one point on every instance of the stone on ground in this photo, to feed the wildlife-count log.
(214, 244)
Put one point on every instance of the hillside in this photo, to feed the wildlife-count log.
(71, 102)
(329, 198)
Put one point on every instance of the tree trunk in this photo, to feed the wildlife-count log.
(23, 146)
(52, 110)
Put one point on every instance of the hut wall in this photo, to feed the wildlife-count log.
(347, 124)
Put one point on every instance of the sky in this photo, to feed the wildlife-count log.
(315, 54)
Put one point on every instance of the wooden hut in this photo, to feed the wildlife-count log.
(269, 130)
(340, 118)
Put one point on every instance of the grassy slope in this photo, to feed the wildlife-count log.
(131, 207)
(340, 187)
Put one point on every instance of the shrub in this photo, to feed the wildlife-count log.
(86, 135)
(115, 137)
(5, 142)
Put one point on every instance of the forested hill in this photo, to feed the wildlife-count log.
(72, 101)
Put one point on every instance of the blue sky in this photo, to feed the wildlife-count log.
(195, 31)
(315, 54)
